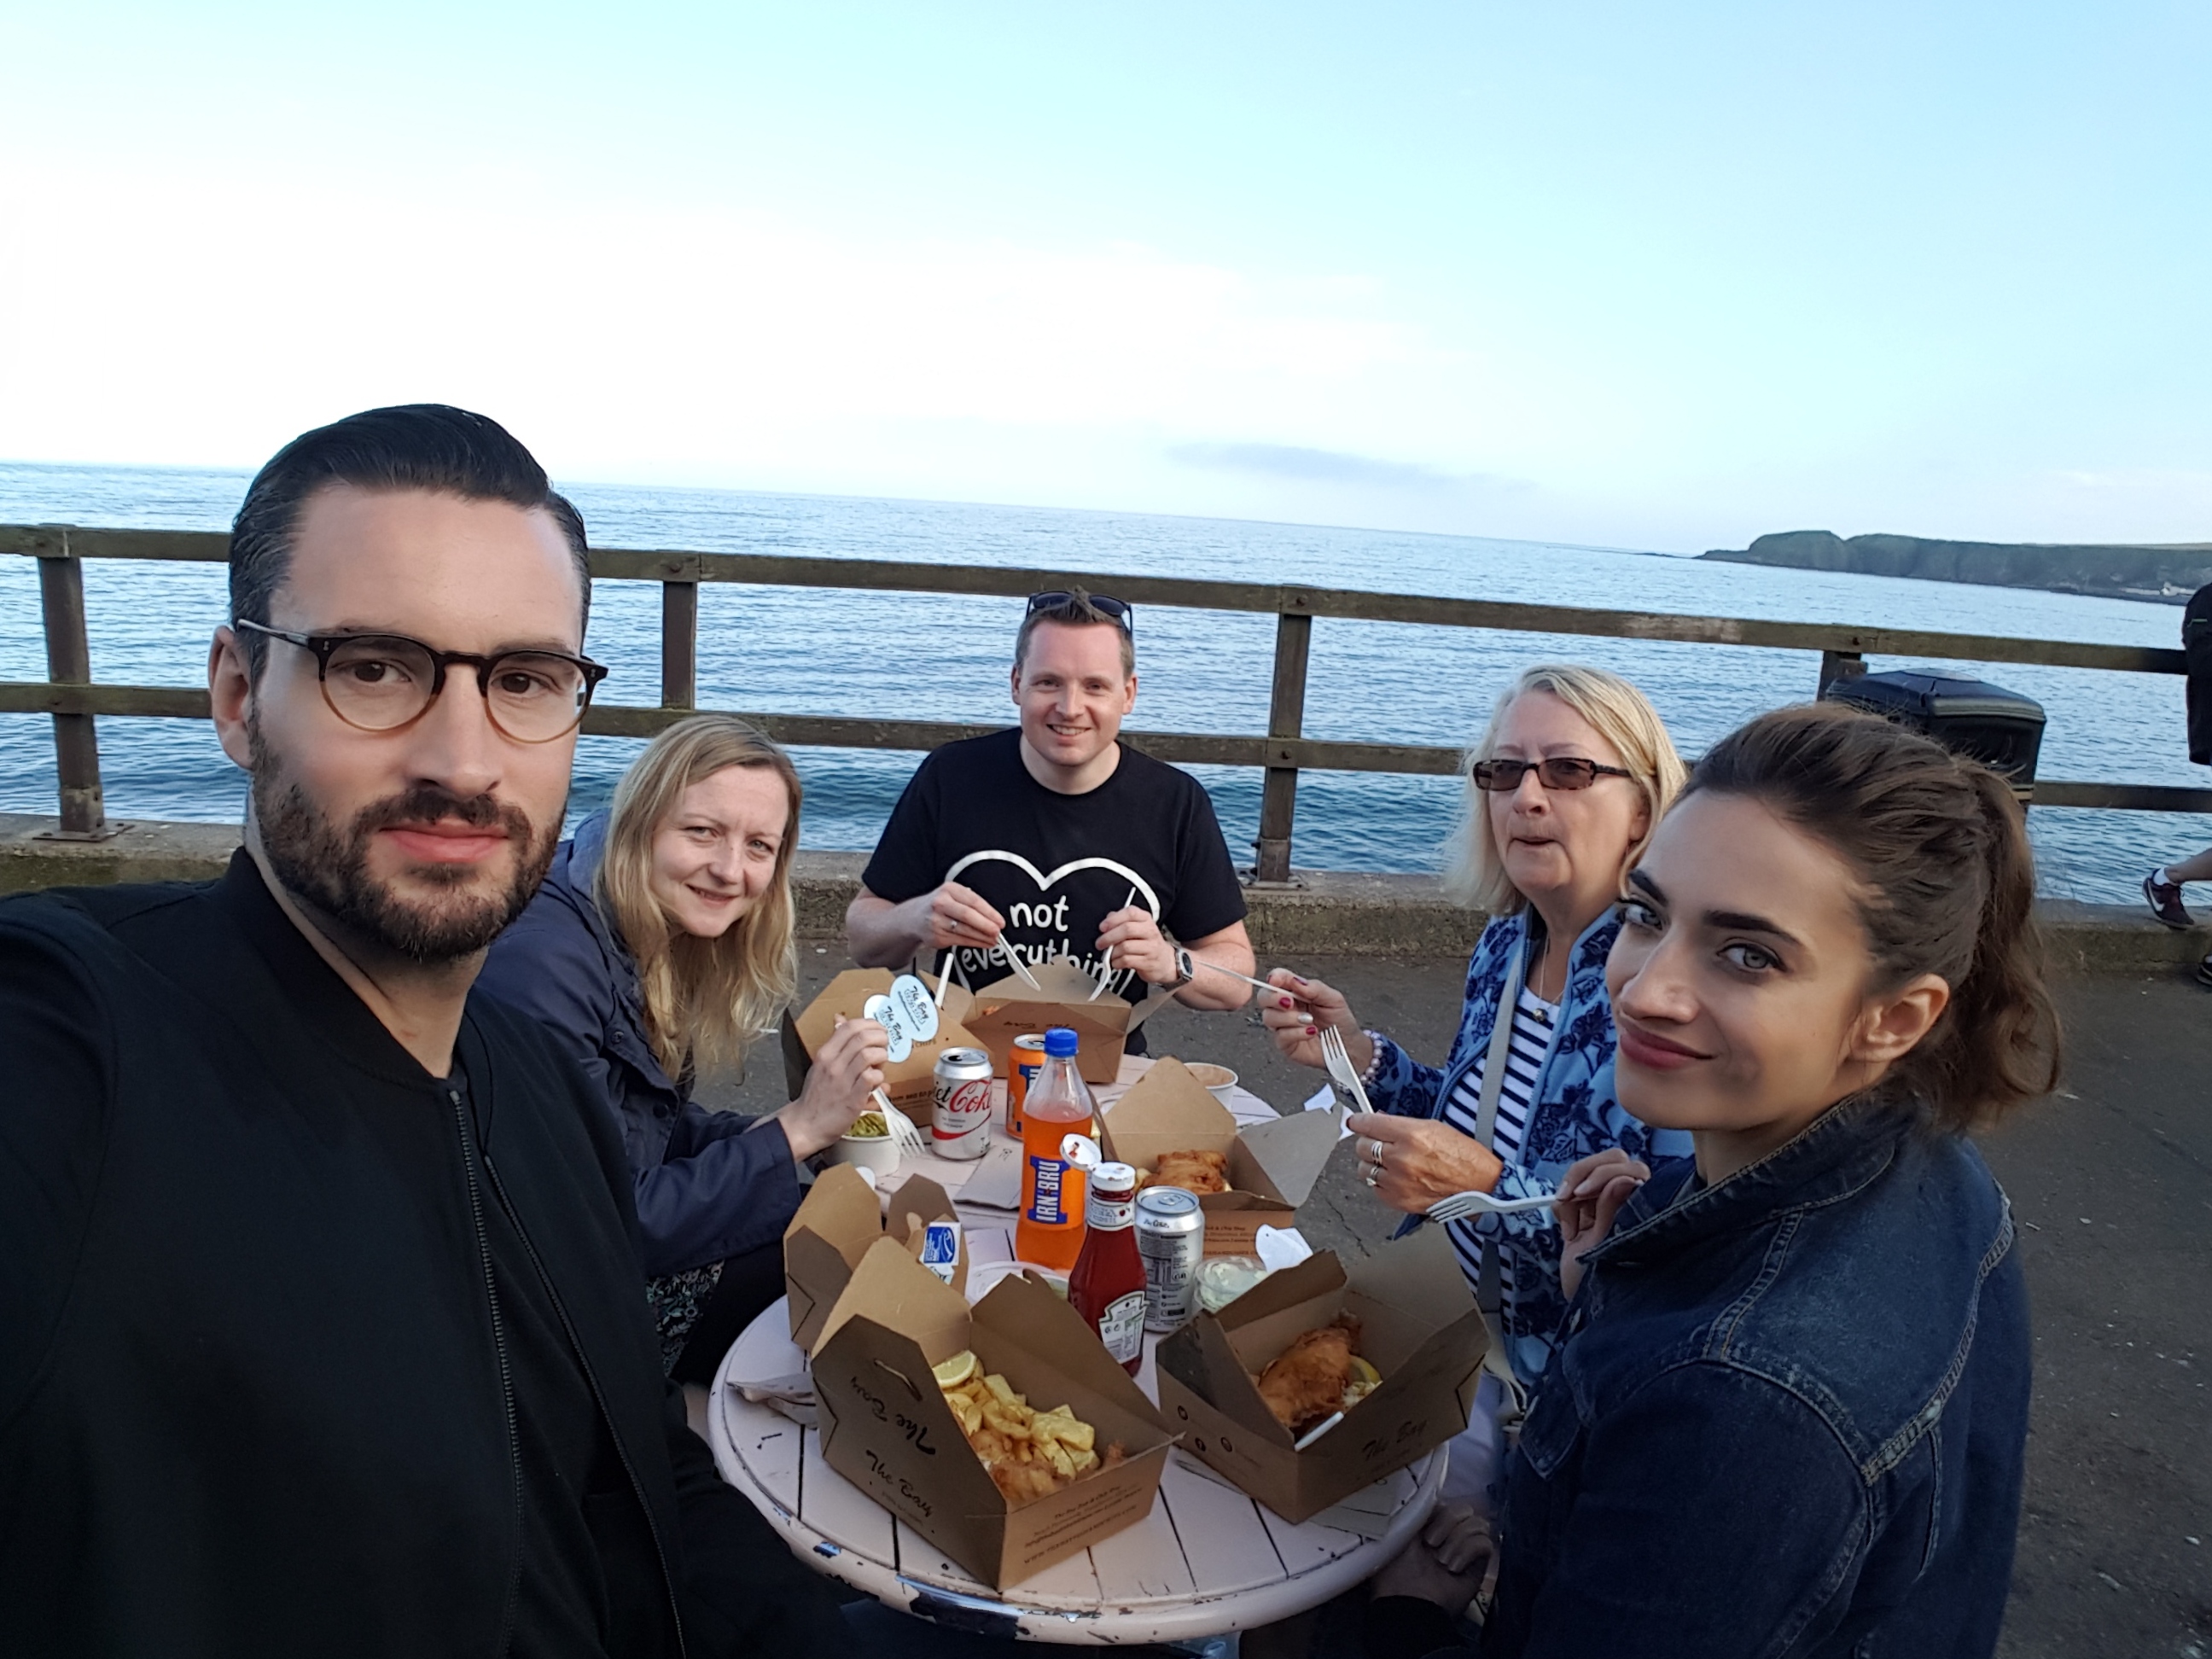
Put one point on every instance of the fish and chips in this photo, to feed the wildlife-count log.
(1199, 1172)
(1320, 1373)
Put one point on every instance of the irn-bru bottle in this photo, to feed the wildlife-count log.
(1050, 1230)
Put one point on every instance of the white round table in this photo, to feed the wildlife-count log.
(1207, 1560)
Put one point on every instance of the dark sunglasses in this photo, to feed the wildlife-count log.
(1503, 777)
(1117, 609)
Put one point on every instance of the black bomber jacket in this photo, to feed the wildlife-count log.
(252, 1399)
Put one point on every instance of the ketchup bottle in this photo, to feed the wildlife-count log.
(1049, 1231)
(1108, 1286)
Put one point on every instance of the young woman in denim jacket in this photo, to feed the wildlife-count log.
(1563, 788)
(1788, 1412)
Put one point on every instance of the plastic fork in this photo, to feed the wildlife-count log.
(910, 1143)
(1106, 966)
(1341, 1068)
(1460, 1206)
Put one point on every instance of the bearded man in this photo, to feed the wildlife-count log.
(321, 1330)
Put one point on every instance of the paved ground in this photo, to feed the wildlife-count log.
(2112, 1179)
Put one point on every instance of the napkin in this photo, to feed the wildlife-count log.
(793, 1395)
(997, 1183)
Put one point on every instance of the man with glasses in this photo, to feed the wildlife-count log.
(1056, 839)
(324, 1329)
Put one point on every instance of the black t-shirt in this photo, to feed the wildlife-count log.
(1054, 865)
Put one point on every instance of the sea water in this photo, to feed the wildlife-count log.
(945, 657)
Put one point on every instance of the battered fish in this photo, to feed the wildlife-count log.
(1195, 1172)
(1307, 1381)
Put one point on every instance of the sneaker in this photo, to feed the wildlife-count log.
(2165, 897)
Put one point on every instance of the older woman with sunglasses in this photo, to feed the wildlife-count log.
(1565, 788)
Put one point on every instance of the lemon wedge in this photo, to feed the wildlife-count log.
(1363, 1372)
(952, 1373)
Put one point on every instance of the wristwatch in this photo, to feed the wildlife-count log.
(1186, 970)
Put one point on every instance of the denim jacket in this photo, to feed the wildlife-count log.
(706, 1189)
(1788, 1417)
(1573, 1115)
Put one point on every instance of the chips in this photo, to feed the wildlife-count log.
(1028, 1452)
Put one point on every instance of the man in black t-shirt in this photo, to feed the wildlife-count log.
(1054, 839)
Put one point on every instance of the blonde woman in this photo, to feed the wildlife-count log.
(661, 946)
(1564, 789)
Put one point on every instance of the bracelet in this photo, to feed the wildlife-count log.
(1376, 1037)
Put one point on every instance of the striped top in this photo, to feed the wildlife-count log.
(1532, 1019)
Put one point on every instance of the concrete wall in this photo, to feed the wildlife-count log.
(1337, 914)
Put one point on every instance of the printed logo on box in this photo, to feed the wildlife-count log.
(940, 1249)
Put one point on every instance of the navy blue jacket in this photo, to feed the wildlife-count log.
(1788, 1417)
(706, 1189)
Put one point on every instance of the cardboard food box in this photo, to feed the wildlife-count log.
(840, 1220)
(1010, 1007)
(886, 1428)
(1418, 1327)
(911, 1083)
(1273, 1166)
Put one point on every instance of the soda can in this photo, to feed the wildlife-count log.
(1025, 1062)
(960, 1127)
(1171, 1241)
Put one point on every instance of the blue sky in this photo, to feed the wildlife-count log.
(1636, 275)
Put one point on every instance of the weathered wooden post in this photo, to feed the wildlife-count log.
(1286, 714)
(68, 662)
(679, 640)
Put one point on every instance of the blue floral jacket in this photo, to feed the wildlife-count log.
(1573, 1115)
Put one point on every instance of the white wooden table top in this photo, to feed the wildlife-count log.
(1207, 1560)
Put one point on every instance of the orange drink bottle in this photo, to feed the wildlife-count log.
(1049, 1231)
(1022, 1066)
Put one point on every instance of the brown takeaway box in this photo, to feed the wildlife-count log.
(1418, 1327)
(885, 1426)
(911, 1083)
(840, 1220)
(1008, 1008)
(1273, 1166)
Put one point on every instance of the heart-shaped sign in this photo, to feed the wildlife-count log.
(906, 1012)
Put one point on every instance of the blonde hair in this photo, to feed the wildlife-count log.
(1474, 872)
(705, 998)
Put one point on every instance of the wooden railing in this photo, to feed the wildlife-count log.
(69, 695)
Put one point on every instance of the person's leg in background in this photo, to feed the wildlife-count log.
(2162, 888)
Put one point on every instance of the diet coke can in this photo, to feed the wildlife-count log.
(1171, 1241)
(961, 1125)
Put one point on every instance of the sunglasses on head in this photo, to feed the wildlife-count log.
(1105, 604)
(1503, 777)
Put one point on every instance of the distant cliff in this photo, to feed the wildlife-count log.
(2170, 573)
